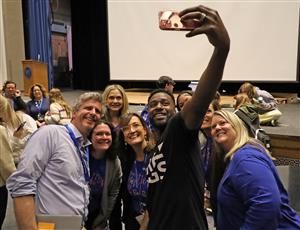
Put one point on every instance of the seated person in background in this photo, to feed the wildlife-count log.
(266, 104)
(11, 92)
(60, 112)
(241, 99)
(243, 103)
(19, 127)
(106, 173)
(250, 194)
(52, 176)
(39, 104)
(163, 82)
(182, 98)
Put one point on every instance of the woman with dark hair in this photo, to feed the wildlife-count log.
(105, 176)
(182, 98)
(134, 184)
(250, 194)
(38, 105)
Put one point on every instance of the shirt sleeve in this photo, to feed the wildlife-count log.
(255, 184)
(32, 164)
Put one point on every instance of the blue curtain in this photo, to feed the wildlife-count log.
(39, 34)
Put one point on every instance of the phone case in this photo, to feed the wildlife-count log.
(170, 20)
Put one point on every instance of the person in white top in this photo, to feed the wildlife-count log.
(60, 112)
(19, 126)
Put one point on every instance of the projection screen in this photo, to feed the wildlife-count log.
(264, 41)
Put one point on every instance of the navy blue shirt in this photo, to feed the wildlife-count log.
(97, 172)
(137, 186)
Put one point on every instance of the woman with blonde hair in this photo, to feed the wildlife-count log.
(116, 102)
(60, 112)
(7, 167)
(116, 105)
(19, 126)
(250, 193)
(39, 104)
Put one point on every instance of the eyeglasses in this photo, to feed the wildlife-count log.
(133, 126)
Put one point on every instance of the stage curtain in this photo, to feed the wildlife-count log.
(38, 33)
(90, 45)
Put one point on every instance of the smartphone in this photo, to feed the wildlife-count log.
(170, 20)
(21, 126)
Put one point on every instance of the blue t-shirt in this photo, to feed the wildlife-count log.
(137, 186)
(251, 195)
(97, 172)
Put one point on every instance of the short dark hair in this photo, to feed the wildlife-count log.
(6, 83)
(161, 91)
(163, 80)
(112, 150)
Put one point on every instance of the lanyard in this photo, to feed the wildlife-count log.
(84, 158)
(39, 105)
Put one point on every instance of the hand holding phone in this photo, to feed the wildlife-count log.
(18, 93)
(170, 20)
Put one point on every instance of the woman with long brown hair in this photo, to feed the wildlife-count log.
(134, 184)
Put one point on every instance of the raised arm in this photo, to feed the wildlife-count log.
(212, 26)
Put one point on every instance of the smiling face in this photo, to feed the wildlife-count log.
(114, 100)
(134, 132)
(101, 138)
(86, 116)
(10, 90)
(37, 93)
(161, 108)
(223, 132)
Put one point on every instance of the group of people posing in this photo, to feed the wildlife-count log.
(110, 166)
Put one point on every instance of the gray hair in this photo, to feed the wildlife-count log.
(85, 97)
